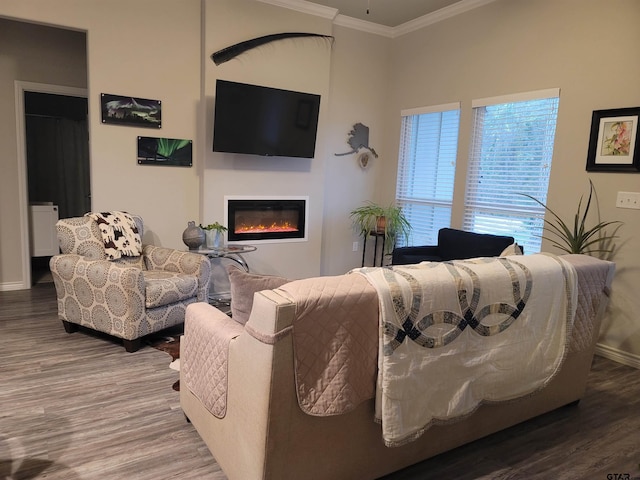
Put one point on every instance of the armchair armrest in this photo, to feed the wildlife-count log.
(99, 294)
(172, 260)
(410, 255)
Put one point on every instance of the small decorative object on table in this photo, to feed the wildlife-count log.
(193, 236)
(214, 235)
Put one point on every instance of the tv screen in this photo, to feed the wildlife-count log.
(258, 120)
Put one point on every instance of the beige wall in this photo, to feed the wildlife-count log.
(359, 73)
(297, 64)
(584, 47)
(149, 49)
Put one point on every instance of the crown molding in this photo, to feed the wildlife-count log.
(375, 28)
(364, 26)
(305, 7)
(439, 15)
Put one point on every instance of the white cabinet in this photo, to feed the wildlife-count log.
(42, 223)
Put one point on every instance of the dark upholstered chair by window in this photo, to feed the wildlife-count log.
(453, 245)
(127, 297)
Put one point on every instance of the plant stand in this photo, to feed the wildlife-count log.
(376, 235)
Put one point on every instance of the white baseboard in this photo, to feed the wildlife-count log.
(619, 356)
(8, 286)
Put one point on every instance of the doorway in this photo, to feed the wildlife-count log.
(57, 143)
(55, 163)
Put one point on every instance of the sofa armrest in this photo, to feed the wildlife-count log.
(259, 391)
(103, 295)
(411, 255)
(172, 260)
(204, 354)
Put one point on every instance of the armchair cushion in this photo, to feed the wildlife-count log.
(163, 288)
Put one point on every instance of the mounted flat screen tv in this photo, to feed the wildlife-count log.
(257, 120)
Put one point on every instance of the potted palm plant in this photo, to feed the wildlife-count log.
(214, 234)
(578, 238)
(389, 221)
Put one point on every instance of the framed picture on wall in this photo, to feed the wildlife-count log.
(614, 143)
(173, 152)
(134, 112)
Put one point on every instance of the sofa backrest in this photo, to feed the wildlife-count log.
(459, 245)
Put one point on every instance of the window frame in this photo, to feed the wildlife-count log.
(408, 201)
(520, 215)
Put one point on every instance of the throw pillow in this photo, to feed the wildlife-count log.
(243, 286)
(513, 249)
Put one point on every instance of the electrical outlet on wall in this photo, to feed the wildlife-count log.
(355, 246)
(628, 200)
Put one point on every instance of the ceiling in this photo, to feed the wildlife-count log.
(390, 13)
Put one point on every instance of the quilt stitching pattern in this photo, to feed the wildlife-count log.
(471, 315)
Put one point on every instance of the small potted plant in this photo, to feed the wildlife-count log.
(214, 234)
(388, 220)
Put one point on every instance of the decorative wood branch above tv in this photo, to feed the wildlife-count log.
(233, 51)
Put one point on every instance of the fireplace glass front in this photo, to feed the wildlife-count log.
(266, 219)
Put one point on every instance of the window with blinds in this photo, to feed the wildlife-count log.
(426, 169)
(511, 152)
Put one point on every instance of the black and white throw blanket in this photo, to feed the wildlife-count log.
(454, 335)
(119, 234)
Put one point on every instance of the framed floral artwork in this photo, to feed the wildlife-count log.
(614, 145)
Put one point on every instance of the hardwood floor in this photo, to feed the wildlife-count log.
(79, 407)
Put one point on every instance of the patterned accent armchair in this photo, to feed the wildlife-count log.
(129, 297)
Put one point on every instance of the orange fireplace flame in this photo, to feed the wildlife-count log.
(261, 228)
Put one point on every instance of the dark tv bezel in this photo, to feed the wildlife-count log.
(312, 98)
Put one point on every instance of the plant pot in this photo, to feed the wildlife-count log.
(381, 224)
(214, 239)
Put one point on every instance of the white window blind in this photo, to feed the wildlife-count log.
(511, 152)
(426, 169)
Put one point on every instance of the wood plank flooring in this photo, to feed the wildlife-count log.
(79, 407)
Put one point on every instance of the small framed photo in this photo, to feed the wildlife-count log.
(173, 152)
(134, 112)
(614, 143)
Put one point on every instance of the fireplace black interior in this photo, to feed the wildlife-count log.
(265, 219)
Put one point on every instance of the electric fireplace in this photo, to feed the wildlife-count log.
(266, 219)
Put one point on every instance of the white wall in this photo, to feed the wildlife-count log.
(585, 48)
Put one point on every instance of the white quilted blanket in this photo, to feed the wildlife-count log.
(457, 334)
